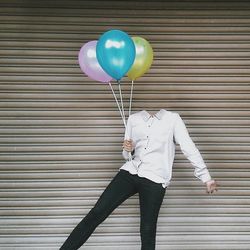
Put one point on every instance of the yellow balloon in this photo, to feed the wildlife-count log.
(143, 58)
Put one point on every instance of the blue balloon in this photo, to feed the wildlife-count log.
(115, 52)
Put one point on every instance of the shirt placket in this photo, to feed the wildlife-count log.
(148, 132)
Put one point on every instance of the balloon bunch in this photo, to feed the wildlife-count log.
(113, 56)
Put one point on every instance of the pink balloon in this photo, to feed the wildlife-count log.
(89, 63)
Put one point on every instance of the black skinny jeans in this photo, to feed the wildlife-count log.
(121, 187)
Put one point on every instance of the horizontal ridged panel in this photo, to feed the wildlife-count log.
(61, 134)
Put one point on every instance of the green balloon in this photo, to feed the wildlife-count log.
(143, 58)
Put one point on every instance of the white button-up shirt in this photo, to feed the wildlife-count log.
(154, 147)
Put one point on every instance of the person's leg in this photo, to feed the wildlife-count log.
(151, 195)
(119, 189)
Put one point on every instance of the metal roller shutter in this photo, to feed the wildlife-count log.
(61, 134)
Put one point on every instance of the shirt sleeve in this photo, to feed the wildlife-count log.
(189, 149)
(127, 136)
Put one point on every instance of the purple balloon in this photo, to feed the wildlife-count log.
(89, 63)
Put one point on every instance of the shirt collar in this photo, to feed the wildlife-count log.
(145, 115)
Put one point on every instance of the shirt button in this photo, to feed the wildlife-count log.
(147, 136)
(144, 148)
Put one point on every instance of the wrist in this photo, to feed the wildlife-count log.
(209, 181)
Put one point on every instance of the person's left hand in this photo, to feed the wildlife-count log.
(212, 186)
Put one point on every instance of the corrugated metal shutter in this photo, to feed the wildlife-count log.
(61, 133)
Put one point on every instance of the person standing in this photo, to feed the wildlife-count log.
(149, 150)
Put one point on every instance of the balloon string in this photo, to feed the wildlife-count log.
(131, 93)
(118, 105)
(123, 118)
(119, 85)
(120, 91)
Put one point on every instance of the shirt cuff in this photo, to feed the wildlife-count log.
(125, 154)
(205, 177)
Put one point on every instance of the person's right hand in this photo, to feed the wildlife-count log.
(128, 145)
